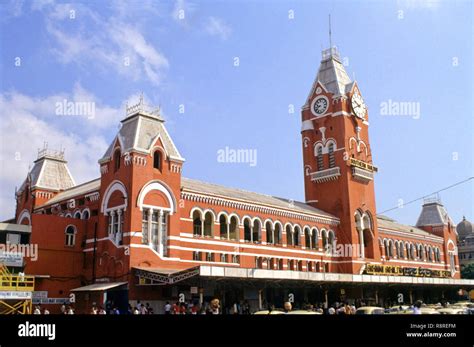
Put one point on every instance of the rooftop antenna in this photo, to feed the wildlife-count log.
(330, 38)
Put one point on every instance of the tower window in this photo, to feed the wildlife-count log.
(157, 160)
(320, 158)
(332, 159)
(117, 156)
(70, 236)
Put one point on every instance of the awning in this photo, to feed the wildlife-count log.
(161, 276)
(99, 287)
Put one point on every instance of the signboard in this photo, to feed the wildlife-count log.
(14, 259)
(372, 269)
(60, 301)
(40, 294)
(363, 165)
(15, 295)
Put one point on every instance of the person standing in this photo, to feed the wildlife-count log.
(37, 309)
(417, 307)
(287, 307)
(168, 308)
(214, 307)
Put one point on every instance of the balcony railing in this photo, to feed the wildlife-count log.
(326, 175)
(362, 175)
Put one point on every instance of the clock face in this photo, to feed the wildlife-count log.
(320, 105)
(358, 105)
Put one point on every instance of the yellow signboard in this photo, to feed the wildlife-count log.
(362, 164)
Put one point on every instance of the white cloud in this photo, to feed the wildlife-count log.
(105, 43)
(29, 122)
(217, 27)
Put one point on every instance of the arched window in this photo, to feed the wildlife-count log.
(223, 226)
(247, 230)
(157, 160)
(269, 232)
(117, 156)
(412, 251)
(420, 252)
(300, 265)
(402, 250)
(277, 234)
(289, 235)
(256, 231)
(296, 236)
(70, 236)
(208, 224)
(197, 223)
(77, 215)
(314, 239)
(234, 228)
(332, 239)
(332, 159)
(325, 239)
(85, 214)
(307, 238)
(319, 152)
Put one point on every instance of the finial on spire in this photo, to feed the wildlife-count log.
(330, 38)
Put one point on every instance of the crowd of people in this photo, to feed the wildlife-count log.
(214, 307)
(64, 310)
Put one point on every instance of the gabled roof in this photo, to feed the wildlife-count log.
(139, 132)
(251, 197)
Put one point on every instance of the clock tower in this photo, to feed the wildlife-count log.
(338, 167)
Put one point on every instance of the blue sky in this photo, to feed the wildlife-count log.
(405, 51)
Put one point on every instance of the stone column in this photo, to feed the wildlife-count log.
(160, 232)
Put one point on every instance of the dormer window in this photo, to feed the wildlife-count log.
(117, 156)
(157, 160)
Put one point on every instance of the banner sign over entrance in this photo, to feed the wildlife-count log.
(390, 270)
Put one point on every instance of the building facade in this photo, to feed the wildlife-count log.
(142, 231)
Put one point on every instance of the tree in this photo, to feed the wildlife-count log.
(467, 271)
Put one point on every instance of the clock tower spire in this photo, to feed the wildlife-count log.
(338, 166)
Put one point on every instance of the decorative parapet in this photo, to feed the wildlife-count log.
(141, 108)
(326, 175)
(92, 196)
(175, 168)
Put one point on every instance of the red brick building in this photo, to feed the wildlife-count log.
(142, 231)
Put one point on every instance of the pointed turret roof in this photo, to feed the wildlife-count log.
(331, 74)
(49, 171)
(433, 213)
(140, 130)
